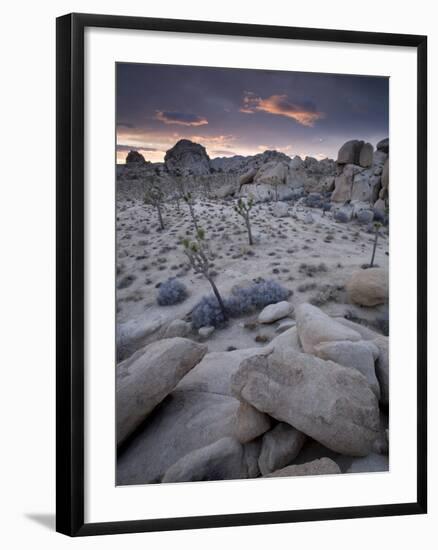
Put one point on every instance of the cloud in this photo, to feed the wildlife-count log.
(184, 119)
(223, 153)
(125, 125)
(304, 113)
(122, 147)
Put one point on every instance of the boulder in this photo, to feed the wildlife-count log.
(368, 287)
(148, 376)
(273, 173)
(320, 466)
(361, 189)
(356, 355)
(375, 185)
(372, 463)
(343, 185)
(296, 163)
(379, 158)
(385, 174)
(274, 312)
(280, 209)
(223, 459)
(383, 146)
(332, 404)
(205, 332)
(365, 332)
(187, 420)
(284, 324)
(315, 327)
(247, 177)
(177, 327)
(280, 447)
(349, 153)
(382, 367)
(380, 205)
(366, 155)
(134, 157)
(187, 158)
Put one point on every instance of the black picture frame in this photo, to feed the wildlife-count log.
(70, 273)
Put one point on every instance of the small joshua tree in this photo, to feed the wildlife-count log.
(275, 184)
(243, 208)
(188, 198)
(197, 255)
(154, 197)
(377, 226)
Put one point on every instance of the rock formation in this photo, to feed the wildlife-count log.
(363, 175)
(187, 158)
(134, 157)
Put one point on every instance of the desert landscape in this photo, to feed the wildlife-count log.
(252, 314)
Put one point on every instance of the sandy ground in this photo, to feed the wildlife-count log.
(284, 250)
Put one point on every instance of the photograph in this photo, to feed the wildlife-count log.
(252, 273)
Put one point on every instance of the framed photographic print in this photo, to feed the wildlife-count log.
(241, 291)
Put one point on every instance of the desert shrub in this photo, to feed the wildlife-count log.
(126, 281)
(341, 216)
(306, 286)
(365, 216)
(326, 293)
(241, 301)
(256, 296)
(312, 269)
(171, 292)
(207, 313)
(379, 216)
(314, 200)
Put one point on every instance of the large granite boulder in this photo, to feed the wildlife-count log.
(273, 173)
(280, 446)
(343, 187)
(148, 376)
(382, 361)
(332, 404)
(223, 459)
(372, 463)
(199, 412)
(320, 466)
(366, 155)
(349, 153)
(368, 287)
(187, 158)
(248, 176)
(385, 174)
(315, 327)
(134, 157)
(274, 312)
(383, 145)
(356, 355)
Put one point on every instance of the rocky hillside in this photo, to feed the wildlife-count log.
(357, 181)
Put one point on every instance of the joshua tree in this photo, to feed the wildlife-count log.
(197, 255)
(275, 184)
(190, 201)
(154, 197)
(243, 208)
(377, 226)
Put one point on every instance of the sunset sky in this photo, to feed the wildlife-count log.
(244, 112)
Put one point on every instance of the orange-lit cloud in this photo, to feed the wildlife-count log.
(183, 119)
(305, 114)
